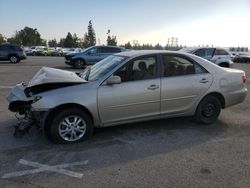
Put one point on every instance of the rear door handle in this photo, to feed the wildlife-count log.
(153, 87)
(204, 80)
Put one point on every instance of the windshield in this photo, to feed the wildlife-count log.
(101, 68)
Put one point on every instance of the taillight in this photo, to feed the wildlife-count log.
(244, 78)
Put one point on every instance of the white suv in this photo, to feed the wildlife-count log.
(218, 56)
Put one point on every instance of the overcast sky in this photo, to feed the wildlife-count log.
(195, 22)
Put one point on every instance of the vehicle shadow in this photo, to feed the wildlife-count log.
(6, 62)
(124, 143)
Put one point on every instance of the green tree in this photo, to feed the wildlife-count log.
(76, 41)
(2, 40)
(52, 43)
(91, 36)
(128, 45)
(61, 42)
(43, 42)
(69, 42)
(158, 47)
(111, 40)
(84, 43)
(27, 37)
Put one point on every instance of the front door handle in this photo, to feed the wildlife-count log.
(204, 80)
(153, 87)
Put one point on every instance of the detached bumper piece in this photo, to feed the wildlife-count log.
(25, 122)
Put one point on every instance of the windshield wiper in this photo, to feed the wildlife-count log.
(87, 74)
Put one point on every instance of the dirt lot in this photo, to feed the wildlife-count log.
(166, 153)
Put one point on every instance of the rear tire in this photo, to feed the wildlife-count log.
(14, 59)
(70, 126)
(79, 63)
(208, 110)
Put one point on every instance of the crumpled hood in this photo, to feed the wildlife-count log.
(48, 75)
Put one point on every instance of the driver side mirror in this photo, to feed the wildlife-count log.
(114, 80)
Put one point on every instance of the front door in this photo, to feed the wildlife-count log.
(93, 55)
(138, 95)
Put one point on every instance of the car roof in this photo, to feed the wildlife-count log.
(136, 53)
(109, 46)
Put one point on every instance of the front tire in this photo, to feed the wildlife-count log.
(79, 64)
(71, 126)
(208, 110)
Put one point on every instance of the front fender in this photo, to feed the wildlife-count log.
(84, 95)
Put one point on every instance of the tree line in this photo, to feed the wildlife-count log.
(31, 37)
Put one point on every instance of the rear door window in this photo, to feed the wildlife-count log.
(115, 50)
(201, 52)
(205, 52)
(220, 52)
(179, 66)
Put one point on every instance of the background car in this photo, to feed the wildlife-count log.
(34, 50)
(242, 57)
(44, 51)
(57, 52)
(13, 53)
(218, 56)
(124, 88)
(91, 55)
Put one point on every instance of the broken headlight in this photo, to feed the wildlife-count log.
(36, 98)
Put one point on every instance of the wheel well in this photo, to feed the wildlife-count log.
(13, 55)
(79, 59)
(62, 107)
(218, 96)
(224, 64)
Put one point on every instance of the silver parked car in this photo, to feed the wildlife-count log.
(218, 56)
(127, 87)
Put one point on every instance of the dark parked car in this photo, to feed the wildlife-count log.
(12, 53)
(242, 57)
(91, 55)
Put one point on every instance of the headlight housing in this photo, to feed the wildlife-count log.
(37, 98)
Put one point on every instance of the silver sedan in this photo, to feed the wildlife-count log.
(126, 87)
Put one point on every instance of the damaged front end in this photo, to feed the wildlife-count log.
(23, 96)
(21, 104)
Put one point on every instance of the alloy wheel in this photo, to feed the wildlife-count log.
(72, 128)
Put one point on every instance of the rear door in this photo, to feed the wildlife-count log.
(182, 84)
(221, 55)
